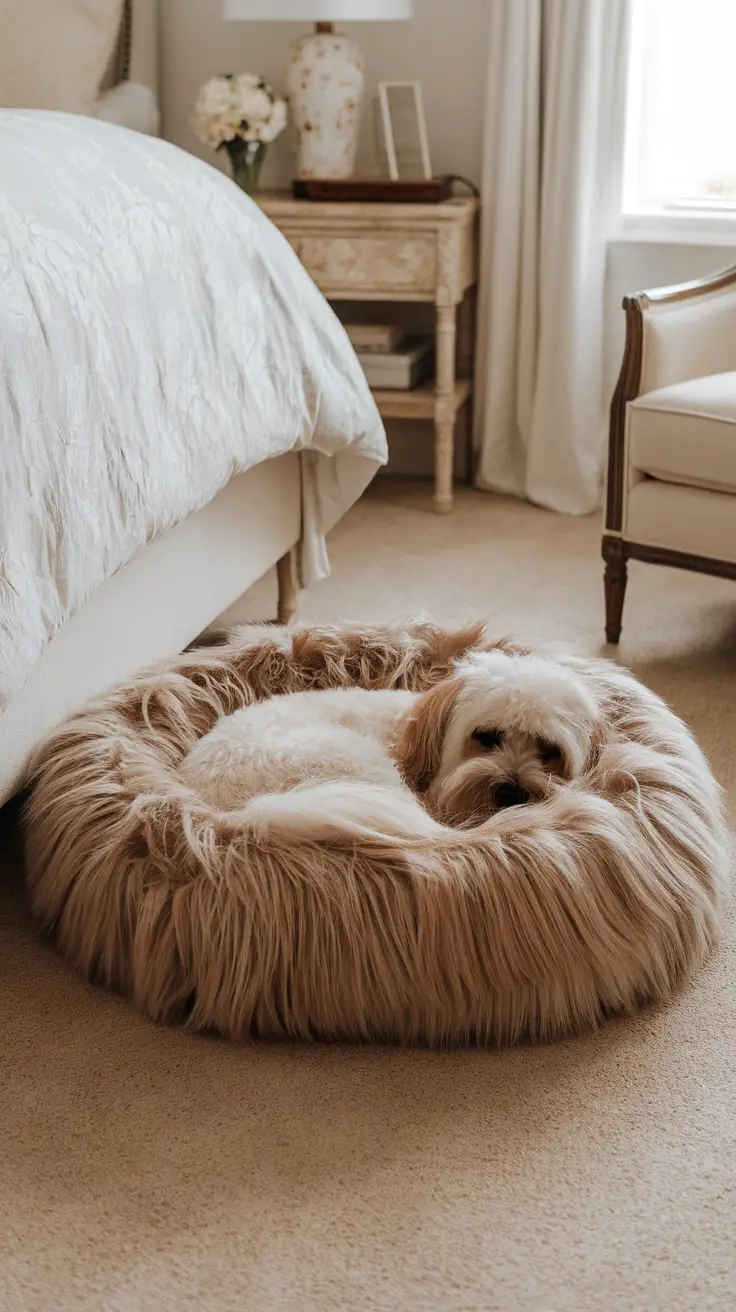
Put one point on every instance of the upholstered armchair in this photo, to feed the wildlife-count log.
(671, 492)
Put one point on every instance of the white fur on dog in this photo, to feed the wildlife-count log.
(355, 734)
(530, 695)
(298, 738)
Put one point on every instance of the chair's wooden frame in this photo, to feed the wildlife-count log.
(617, 550)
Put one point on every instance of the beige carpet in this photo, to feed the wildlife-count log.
(144, 1169)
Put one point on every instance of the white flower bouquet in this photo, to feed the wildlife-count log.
(242, 113)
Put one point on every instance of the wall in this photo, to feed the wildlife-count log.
(444, 47)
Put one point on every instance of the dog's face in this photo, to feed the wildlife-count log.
(504, 730)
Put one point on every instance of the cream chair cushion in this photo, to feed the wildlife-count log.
(53, 53)
(686, 433)
(691, 520)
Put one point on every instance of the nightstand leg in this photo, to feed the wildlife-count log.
(288, 590)
(444, 408)
(472, 311)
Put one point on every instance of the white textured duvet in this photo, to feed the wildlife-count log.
(157, 336)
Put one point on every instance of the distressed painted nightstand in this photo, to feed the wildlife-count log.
(383, 252)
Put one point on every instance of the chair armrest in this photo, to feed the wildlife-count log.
(672, 334)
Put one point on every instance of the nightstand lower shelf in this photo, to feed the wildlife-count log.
(419, 403)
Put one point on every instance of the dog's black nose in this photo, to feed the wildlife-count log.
(511, 795)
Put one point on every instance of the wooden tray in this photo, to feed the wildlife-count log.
(422, 192)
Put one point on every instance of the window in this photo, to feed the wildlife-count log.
(680, 153)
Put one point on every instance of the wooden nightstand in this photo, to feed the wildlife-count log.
(372, 252)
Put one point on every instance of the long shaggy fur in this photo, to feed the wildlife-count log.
(600, 897)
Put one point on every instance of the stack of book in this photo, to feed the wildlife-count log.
(389, 359)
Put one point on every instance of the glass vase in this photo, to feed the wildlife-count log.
(246, 161)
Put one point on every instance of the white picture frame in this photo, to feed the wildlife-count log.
(404, 130)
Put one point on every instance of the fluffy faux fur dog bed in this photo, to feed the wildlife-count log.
(548, 917)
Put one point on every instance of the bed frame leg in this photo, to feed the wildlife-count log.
(288, 590)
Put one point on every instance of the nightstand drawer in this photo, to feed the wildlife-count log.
(369, 263)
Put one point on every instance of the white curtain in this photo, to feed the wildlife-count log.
(553, 134)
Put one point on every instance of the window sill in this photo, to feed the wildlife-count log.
(677, 229)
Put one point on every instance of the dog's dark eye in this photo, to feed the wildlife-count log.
(489, 738)
(549, 754)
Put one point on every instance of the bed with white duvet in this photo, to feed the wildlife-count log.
(179, 407)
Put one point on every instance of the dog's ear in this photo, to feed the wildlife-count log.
(599, 736)
(418, 752)
(584, 742)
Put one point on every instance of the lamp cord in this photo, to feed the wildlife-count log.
(457, 177)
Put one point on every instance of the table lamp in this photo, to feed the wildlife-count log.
(324, 80)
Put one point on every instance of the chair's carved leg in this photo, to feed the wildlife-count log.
(615, 576)
(288, 588)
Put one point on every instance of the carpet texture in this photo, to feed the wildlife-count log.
(143, 1168)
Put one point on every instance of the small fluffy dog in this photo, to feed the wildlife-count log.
(503, 730)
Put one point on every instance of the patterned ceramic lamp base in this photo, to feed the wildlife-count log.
(325, 86)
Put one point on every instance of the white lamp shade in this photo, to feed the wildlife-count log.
(316, 11)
